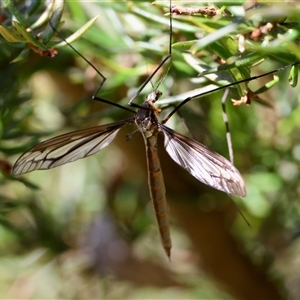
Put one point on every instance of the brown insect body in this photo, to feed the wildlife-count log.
(205, 165)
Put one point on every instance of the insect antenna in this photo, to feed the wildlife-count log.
(160, 81)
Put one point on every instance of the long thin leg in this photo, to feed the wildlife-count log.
(97, 98)
(131, 103)
(225, 119)
(182, 119)
(94, 97)
(223, 87)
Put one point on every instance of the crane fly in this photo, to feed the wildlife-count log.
(205, 165)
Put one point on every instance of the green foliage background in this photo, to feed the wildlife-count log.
(86, 229)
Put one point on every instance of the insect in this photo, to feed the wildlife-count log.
(205, 165)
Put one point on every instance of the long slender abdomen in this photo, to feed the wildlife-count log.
(158, 192)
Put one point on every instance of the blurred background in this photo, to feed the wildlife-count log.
(87, 229)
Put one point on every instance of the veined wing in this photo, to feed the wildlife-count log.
(68, 147)
(207, 166)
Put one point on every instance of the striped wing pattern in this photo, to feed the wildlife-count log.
(68, 147)
(205, 165)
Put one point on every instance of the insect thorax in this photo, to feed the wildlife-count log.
(146, 119)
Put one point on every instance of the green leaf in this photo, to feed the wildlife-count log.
(268, 85)
(293, 76)
(79, 33)
(213, 37)
(11, 36)
(28, 37)
(16, 13)
(44, 17)
(21, 56)
(54, 22)
(183, 46)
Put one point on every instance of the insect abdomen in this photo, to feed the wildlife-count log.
(158, 192)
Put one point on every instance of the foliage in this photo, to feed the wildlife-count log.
(64, 229)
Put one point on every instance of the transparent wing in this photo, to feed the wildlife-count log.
(67, 147)
(207, 166)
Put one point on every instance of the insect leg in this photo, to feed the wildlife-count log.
(224, 87)
(94, 96)
(225, 119)
(165, 59)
